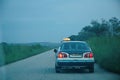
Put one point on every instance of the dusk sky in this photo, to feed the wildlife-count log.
(24, 21)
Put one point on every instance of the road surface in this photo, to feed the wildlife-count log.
(41, 67)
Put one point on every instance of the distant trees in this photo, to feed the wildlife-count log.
(114, 26)
(108, 28)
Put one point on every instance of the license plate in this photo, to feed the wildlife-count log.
(75, 55)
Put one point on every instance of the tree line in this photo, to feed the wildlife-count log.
(106, 28)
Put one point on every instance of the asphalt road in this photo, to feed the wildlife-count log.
(41, 67)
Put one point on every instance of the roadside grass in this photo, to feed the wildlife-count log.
(15, 52)
(107, 52)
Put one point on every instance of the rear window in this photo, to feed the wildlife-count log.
(75, 46)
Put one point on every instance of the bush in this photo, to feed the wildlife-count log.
(107, 52)
(1, 55)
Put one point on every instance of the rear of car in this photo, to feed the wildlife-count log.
(74, 55)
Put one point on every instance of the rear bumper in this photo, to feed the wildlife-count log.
(75, 63)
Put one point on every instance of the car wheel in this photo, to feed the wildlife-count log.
(91, 69)
(57, 69)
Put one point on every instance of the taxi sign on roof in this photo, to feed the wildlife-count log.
(66, 39)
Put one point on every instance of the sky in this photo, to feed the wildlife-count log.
(24, 21)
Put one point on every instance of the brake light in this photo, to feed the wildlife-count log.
(91, 55)
(88, 55)
(62, 55)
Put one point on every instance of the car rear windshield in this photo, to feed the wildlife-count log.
(75, 46)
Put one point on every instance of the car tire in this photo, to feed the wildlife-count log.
(91, 69)
(57, 69)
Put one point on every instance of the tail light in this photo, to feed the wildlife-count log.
(62, 55)
(88, 55)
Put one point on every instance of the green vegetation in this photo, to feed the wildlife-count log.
(15, 52)
(104, 39)
(1, 55)
(107, 52)
(104, 28)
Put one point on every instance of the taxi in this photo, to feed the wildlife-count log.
(74, 55)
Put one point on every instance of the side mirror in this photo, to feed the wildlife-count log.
(55, 50)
